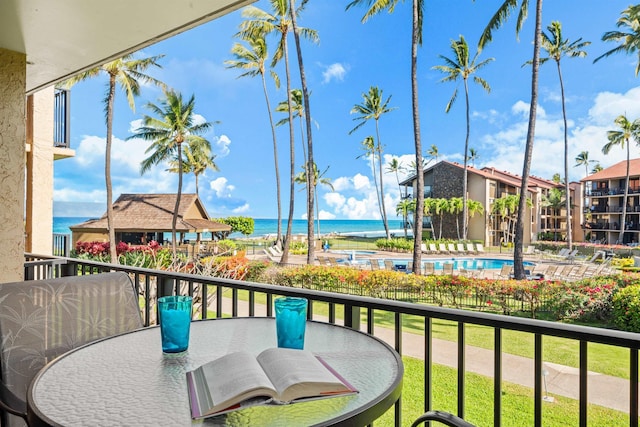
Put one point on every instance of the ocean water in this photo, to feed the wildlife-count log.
(267, 227)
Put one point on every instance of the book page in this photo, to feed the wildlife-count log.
(231, 379)
(298, 374)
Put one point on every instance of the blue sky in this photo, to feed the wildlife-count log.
(351, 57)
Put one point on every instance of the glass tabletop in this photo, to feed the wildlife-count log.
(127, 380)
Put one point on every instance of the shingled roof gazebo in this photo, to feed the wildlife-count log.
(140, 218)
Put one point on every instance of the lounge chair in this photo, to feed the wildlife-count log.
(447, 268)
(388, 265)
(506, 271)
(471, 249)
(410, 267)
(375, 265)
(429, 268)
(322, 260)
(460, 248)
(479, 248)
(433, 248)
(442, 248)
(333, 262)
(452, 248)
(423, 248)
(551, 272)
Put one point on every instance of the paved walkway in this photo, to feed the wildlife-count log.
(603, 390)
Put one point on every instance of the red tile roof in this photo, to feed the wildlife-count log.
(619, 170)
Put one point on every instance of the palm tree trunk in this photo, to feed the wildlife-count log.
(567, 189)
(465, 211)
(624, 199)
(419, 214)
(311, 188)
(174, 220)
(275, 161)
(383, 209)
(518, 255)
(292, 163)
(113, 251)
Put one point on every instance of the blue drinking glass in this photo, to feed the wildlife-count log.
(291, 319)
(174, 315)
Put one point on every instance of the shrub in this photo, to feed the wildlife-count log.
(626, 309)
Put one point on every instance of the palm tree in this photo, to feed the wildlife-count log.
(197, 160)
(404, 208)
(128, 73)
(555, 200)
(473, 156)
(474, 207)
(310, 162)
(507, 207)
(630, 39)
(496, 22)
(455, 208)
(317, 178)
(395, 166)
(431, 208)
(174, 124)
(433, 152)
(252, 60)
(374, 107)
(261, 22)
(298, 111)
(441, 206)
(417, 15)
(461, 68)
(557, 48)
(597, 168)
(628, 130)
(582, 159)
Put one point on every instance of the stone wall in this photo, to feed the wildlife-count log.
(447, 183)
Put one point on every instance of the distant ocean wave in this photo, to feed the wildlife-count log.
(268, 227)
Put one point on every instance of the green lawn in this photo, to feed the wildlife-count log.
(517, 401)
(603, 359)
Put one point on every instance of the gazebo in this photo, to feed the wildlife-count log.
(140, 218)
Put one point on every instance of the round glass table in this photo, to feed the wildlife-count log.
(127, 380)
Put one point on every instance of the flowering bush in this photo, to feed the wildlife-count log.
(626, 309)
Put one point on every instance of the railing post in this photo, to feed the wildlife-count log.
(352, 316)
(165, 286)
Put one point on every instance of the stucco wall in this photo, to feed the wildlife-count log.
(12, 164)
(39, 222)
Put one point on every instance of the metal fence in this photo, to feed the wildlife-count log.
(360, 311)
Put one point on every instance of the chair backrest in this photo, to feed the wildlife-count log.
(451, 248)
(470, 248)
(375, 265)
(442, 247)
(42, 319)
(447, 268)
(505, 271)
(429, 268)
(460, 247)
(479, 248)
(432, 247)
(388, 264)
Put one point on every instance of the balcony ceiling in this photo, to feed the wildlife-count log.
(63, 37)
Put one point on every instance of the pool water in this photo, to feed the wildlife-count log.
(458, 263)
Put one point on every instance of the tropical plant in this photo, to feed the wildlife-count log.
(128, 73)
(496, 22)
(404, 208)
(395, 166)
(261, 22)
(628, 130)
(417, 18)
(582, 159)
(374, 107)
(474, 207)
(239, 224)
(557, 48)
(317, 178)
(310, 164)
(629, 39)
(460, 67)
(597, 168)
(554, 200)
(455, 208)
(430, 209)
(174, 124)
(433, 152)
(197, 160)
(473, 156)
(253, 59)
(298, 112)
(506, 207)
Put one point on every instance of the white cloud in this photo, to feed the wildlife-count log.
(335, 71)
(607, 106)
(326, 215)
(72, 195)
(221, 188)
(241, 209)
(342, 183)
(361, 182)
(221, 145)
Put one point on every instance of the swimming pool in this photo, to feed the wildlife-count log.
(458, 263)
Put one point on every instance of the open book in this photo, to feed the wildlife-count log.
(277, 375)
